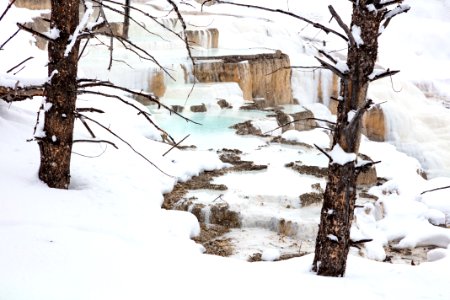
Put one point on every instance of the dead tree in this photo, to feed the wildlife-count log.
(56, 118)
(55, 142)
(126, 20)
(369, 18)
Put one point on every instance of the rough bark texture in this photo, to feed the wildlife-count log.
(56, 146)
(126, 21)
(332, 244)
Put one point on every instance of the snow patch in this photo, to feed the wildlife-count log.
(340, 157)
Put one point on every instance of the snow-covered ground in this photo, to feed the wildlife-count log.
(107, 237)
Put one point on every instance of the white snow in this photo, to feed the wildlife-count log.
(80, 27)
(311, 137)
(342, 66)
(332, 237)
(340, 157)
(270, 254)
(107, 237)
(356, 33)
(53, 33)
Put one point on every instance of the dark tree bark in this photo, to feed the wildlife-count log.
(126, 21)
(56, 143)
(333, 239)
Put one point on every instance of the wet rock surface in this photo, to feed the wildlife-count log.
(198, 108)
(224, 104)
(222, 225)
(246, 128)
(260, 76)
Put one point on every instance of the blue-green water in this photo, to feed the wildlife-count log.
(214, 131)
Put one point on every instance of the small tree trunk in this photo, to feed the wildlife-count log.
(56, 145)
(332, 244)
(126, 21)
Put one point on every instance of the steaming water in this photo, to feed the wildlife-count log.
(416, 125)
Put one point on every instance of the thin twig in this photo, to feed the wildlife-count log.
(174, 146)
(331, 68)
(433, 190)
(342, 25)
(10, 38)
(89, 109)
(94, 83)
(34, 32)
(384, 74)
(323, 152)
(19, 64)
(125, 142)
(327, 55)
(297, 120)
(7, 9)
(96, 141)
(87, 128)
(316, 25)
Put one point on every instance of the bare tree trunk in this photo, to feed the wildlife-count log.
(333, 239)
(56, 144)
(126, 21)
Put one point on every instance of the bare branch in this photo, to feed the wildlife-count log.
(394, 12)
(327, 55)
(123, 141)
(313, 68)
(433, 190)
(141, 112)
(136, 22)
(324, 152)
(331, 68)
(87, 127)
(34, 32)
(19, 64)
(10, 38)
(7, 9)
(93, 83)
(183, 24)
(384, 74)
(366, 166)
(176, 145)
(316, 25)
(342, 25)
(298, 120)
(19, 93)
(89, 109)
(95, 141)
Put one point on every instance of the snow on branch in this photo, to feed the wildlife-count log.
(378, 74)
(402, 8)
(339, 67)
(20, 93)
(340, 157)
(81, 26)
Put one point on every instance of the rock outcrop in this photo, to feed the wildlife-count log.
(284, 121)
(304, 120)
(246, 128)
(224, 104)
(261, 76)
(157, 84)
(374, 124)
(33, 4)
(205, 38)
(41, 25)
(198, 108)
